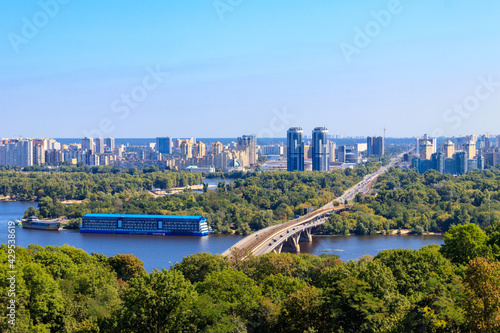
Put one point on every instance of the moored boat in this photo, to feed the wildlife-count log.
(33, 222)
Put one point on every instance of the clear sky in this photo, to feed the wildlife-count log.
(238, 67)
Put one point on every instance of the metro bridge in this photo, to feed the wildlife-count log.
(287, 236)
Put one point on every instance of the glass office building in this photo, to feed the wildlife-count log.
(164, 145)
(320, 149)
(295, 149)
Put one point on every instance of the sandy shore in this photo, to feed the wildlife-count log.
(70, 202)
(5, 198)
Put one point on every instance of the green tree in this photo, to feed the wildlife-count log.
(464, 242)
(159, 302)
(126, 266)
(195, 267)
(237, 293)
(482, 301)
(45, 301)
(303, 311)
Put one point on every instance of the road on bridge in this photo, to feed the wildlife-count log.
(274, 237)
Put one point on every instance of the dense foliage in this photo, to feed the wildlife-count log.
(91, 183)
(63, 289)
(432, 202)
(253, 201)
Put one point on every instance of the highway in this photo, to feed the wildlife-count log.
(274, 237)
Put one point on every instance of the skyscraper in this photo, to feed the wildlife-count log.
(438, 162)
(88, 143)
(375, 146)
(99, 145)
(186, 149)
(320, 149)
(17, 153)
(249, 143)
(426, 150)
(217, 148)
(199, 149)
(333, 147)
(164, 145)
(461, 163)
(422, 144)
(295, 149)
(38, 154)
(470, 149)
(449, 149)
(110, 143)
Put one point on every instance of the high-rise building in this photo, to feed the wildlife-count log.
(177, 143)
(217, 148)
(486, 141)
(470, 149)
(17, 153)
(449, 166)
(333, 147)
(480, 162)
(110, 143)
(164, 145)
(249, 143)
(99, 146)
(320, 149)
(199, 150)
(449, 149)
(88, 143)
(426, 150)
(186, 149)
(341, 153)
(38, 154)
(295, 149)
(375, 146)
(424, 143)
(308, 152)
(438, 162)
(461, 163)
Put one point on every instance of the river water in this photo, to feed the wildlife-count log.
(163, 251)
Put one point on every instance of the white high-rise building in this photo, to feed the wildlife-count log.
(18, 153)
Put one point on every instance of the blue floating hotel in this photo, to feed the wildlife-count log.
(144, 224)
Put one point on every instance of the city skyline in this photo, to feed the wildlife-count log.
(259, 67)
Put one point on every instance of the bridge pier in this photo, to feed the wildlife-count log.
(292, 244)
(306, 235)
(278, 248)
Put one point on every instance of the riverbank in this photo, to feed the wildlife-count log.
(395, 232)
(6, 198)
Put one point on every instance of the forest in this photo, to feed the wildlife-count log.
(253, 201)
(453, 288)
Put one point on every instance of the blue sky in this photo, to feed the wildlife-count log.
(239, 66)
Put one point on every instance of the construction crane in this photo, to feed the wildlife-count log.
(222, 173)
